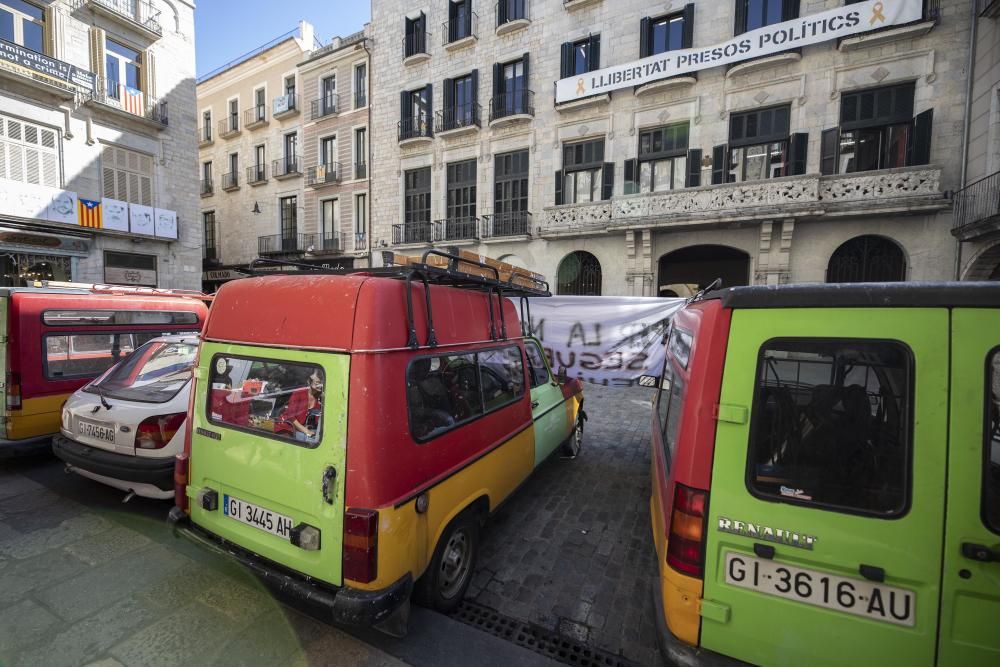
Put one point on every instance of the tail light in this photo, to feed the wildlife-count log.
(13, 391)
(361, 545)
(156, 432)
(181, 481)
(685, 546)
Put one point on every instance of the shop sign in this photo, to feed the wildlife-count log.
(812, 29)
(19, 239)
(120, 275)
(38, 63)
(222, 274)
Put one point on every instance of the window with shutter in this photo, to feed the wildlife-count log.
(127, 175)
(876, 130)
(662, 158)
(28, 153)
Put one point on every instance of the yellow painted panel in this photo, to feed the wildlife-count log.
(37, 416)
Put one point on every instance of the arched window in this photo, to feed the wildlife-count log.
(867, 259)
(579, 274)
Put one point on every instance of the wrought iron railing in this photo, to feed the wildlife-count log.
(231, 181)
(413, 128)
(457, 229)
(229, 125)
(274, 244)
(283, 104)
(459, 28)
(360, 170)
(255, 114)
(456, 117)
(210, 254)
(256, 173)
(205, 134)
(117, 95)
(323, 242)
(207, 187)
(326, 105)
(414, 43)
(977, 203)
(140, 12)
(513, 223)
(285, 166)
(511, 10)
(360, 242)
(412, 232)
(323, 174)
(514, 103)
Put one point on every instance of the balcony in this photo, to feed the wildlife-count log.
(360, 170)
(415, 48)
(503, 225)
(895, 192)
(286, 167)
(257, 174)
(140, 15)
(413, 131)
(359, 242)
(511, 15)
(977, 209)
(457, 229)
(285, 106)
(570, 5)
(460, 32)
(327, 105)
(128, 103)
(207, 188)
(412, 232)
(229, 127)
(231, 181)
(513, 107)
(457, 120)
(281, 244)
(255, 116)
(205, 136)
(323, 174)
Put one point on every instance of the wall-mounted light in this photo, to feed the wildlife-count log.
(256, 209)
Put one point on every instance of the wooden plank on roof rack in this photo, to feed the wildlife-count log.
(507, 272)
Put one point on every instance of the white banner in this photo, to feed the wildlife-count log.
(812, 29)
(607, 340)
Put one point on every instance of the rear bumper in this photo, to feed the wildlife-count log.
(339, 606)
(157, 472)
(676, 652)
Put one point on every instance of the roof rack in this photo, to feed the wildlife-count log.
(101, 288)
(450, 268)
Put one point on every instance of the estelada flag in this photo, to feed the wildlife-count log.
(90, 213)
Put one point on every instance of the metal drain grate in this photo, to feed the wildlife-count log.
(536, 638)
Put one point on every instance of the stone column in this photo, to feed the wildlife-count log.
(639, 274)
(773, 252)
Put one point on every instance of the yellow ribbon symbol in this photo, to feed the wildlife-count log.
(877, 14)
(579, 86)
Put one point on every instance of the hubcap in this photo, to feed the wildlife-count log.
(456, 564)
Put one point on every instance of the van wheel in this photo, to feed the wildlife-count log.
(443, 585)
(574, 443)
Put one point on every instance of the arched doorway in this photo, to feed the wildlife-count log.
(683, 272)
(986, 266)
(579, 274)
(866, 259)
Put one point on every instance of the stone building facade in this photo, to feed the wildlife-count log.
(97, 141)
(335, 146)
(661, 188)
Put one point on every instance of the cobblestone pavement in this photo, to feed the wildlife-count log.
(572, 549)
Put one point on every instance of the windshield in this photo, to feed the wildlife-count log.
(154, 373)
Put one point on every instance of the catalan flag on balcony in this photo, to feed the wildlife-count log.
(131, 99)
(90, 213)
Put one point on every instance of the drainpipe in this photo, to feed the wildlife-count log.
(970, 68)
(371, 194)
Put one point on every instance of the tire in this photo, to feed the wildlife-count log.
(574, 443)
(447, 578)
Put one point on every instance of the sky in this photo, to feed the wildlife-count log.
(226, 29)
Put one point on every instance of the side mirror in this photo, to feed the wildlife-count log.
(649, 381)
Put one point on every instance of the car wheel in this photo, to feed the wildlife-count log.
(446, 579)
(574, 443)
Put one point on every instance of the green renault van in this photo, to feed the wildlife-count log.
(826, 476)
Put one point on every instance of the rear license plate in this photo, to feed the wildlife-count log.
(852, 596)
(96, 431)
(258, 517)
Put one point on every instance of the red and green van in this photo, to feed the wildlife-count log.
(826, 476)
(350, 433)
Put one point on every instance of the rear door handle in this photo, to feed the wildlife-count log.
(534, 404)
(329, 475)
(980, 552)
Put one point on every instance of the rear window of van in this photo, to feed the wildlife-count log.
(832, 424)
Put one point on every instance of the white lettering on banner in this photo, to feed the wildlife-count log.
(603, 340)
(812, 29)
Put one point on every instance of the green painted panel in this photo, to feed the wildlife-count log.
(771, 630)
(275, 474)
(971, 603)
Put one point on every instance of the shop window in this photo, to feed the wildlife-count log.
(128, 176)
(125, 268)
(268, 397)
(29, 153)
(831, 425)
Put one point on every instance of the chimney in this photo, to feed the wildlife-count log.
(335, 42)
(306, 35)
